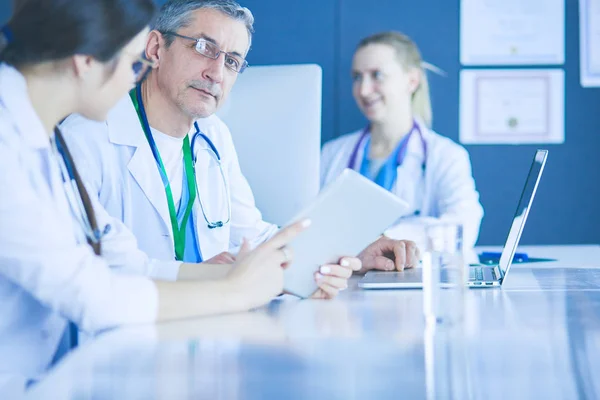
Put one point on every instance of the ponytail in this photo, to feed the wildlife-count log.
(421, 102)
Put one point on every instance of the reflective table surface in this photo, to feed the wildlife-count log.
(536, 337)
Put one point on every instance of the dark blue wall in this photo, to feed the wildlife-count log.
(5, 10)
(326, 31)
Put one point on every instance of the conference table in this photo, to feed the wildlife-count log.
(538, 336)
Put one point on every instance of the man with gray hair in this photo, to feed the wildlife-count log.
(165, 165)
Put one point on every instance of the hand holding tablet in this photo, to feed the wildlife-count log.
(347, 216)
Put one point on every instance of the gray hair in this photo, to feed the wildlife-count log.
(176, 14)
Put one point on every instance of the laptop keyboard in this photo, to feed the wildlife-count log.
(475, 274)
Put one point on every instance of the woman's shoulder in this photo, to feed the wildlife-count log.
(445, 152)
(442, 142)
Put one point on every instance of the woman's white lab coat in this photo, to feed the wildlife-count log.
(49, 275)
(120, 170)
(445, 189)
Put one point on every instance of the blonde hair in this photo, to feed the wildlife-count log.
(409, 57)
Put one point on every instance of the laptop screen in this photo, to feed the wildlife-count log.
(518, 223)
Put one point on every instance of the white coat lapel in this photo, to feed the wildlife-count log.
(125, 129)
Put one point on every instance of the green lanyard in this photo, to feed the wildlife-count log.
(178, 231)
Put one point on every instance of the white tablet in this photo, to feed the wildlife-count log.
(347, 216)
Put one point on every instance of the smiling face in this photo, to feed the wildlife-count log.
(197, 84)
(382, 87)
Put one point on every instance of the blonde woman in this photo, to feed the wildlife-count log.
(397, 149)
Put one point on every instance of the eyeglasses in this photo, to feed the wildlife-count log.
(141, 67)
(211, 50)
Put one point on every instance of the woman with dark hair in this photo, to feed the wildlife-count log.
(62, 264)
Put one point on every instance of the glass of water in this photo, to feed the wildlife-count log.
(444, 273)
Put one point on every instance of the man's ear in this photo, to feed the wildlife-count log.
(155, 46)
(82, 65)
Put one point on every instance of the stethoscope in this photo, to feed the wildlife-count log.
(74, 195)
(217, 157)
(212, 150)
(353, 161)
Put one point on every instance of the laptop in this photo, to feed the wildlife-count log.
(481, 276)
